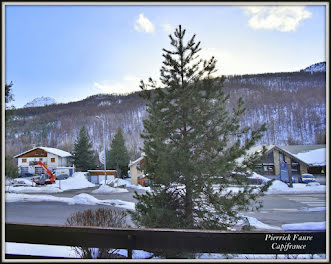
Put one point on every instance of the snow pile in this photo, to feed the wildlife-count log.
(126, 183)
(260, 177)
(305, 226)
(14, 197)
(257, 224)
(316, 157)
(107, 189)
(279, 187)
(122, 204)
(40, 250)
(82, 198)
(40, 101)
(77, 181)
(36, 189)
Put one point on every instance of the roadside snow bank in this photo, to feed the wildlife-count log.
(279, 187)
(82, 198)
(107, 189)
(36, 189)
(126, 183)
(259, 225)
(305, 226)
(77, 181)
(254, 223)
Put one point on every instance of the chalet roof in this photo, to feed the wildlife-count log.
(312, 155)
(254, 149)
(55, 151)
(137, 160)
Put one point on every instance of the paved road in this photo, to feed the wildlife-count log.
(277, 209)
(295, 208)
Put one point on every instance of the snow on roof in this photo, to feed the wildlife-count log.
(312, 155)
(55, 151)
(253, 150)
(295, 149)
(315, 157)
(137, 160)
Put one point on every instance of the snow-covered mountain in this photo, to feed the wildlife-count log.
(317, 67)
(40, 101)
(292, 104)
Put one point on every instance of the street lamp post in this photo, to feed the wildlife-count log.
(104, 146)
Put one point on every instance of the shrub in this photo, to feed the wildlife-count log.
(102, 217)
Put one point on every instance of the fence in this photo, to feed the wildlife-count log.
(202, 241)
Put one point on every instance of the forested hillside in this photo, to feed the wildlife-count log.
(292, 104)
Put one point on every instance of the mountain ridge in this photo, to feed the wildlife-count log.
(40, 101)
(292, 104)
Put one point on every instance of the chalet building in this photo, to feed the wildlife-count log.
(51, 157)
(98, 176)
(303, 159)
(136, 170)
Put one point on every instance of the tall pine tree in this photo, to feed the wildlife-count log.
(192, 143)
(118, 157)
(83, 155)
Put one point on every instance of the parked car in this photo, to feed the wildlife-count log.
(26, 174)
(62, 177)
(306, 178)
(21, 182)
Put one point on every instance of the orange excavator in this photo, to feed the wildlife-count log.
(43, 181)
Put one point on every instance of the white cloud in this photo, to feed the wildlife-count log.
(167, 28)
(143, 24)
(282, 18)
(128, 84)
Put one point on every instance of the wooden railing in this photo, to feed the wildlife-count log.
(202, 241)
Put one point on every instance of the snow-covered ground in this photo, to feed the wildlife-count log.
(279, 187)
(79, 181)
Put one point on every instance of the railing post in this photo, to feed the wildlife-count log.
(131, 245)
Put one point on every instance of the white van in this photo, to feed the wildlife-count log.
(64, 172)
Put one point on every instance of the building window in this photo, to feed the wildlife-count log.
(23, 160)
(52, 159)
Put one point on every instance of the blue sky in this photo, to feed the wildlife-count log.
(71, 52)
